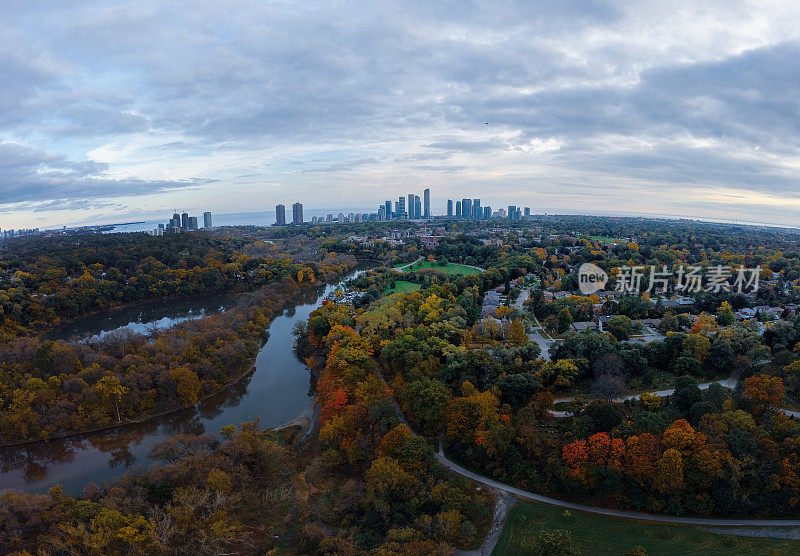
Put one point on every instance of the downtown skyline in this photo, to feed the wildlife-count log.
(115, 112)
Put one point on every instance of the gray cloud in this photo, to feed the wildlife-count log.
(31, 176)
(411, 86)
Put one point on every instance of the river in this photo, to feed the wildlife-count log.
(277, 392)
(142, 318)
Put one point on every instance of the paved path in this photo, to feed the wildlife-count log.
(607, 511)
(543, 344)
(509, 490)
(504, 503)
(401, 268)
(729, 383)
(523, 297)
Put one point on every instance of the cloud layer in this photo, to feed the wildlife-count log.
(572, 105)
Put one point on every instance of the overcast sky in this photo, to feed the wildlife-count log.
(124, 110)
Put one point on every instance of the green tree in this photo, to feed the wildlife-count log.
(425, 401)
(725, 315)
(620, 326)
(564, 320)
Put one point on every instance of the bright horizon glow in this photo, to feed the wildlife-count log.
(113, 113)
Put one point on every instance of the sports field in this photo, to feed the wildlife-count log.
(449, 268)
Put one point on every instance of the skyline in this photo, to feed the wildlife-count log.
(116, 113)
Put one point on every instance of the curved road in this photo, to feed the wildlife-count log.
(729, 383)
(504, 488)
(606, 511)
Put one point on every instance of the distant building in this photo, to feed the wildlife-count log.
(487, 212)
(527, 212)
(388, 209)
(280, 215)
(192, 223)
(401, 207)
(185, 220)
(458, 209)
(450, 208)
(511, 211)
(427, 203)
(382, 213)
(206, 220)
(417, 207)
(297, 214)
(466, 208)
(476, 209)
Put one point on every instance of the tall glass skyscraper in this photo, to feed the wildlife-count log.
(466, 208)
(450, 208)
(426, 203)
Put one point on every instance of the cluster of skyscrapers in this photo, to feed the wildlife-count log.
(180, 223)
(415, 209)
(471, 209)
(410, 207)
(4, 234)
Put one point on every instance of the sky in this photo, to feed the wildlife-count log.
(115, 111)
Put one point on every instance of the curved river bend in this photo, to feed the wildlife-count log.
(278, 391)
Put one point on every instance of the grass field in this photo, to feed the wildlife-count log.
(403, 286)
(596, 534)
(449, 268)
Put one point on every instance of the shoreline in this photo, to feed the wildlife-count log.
(149, 418)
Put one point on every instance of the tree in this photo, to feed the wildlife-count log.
(111, 390)
(608, 386)
(764, 392)
(516, 332)
(553, 542)
(620, 326)
(502, 311)
(188, 385)
(599, 416)
(426, 401)
(517, 389)
(669, 472)
(564, 320)
(725, 316)
(686, 394)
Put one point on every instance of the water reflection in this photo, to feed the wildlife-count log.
(142, 318)
(277, 391)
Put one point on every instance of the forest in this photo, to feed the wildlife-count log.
(398, 375)
(51, 388)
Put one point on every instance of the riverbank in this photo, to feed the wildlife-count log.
(144, 419)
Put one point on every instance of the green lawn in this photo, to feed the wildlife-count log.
(403, 286)
(595, 534)
(449, 268)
